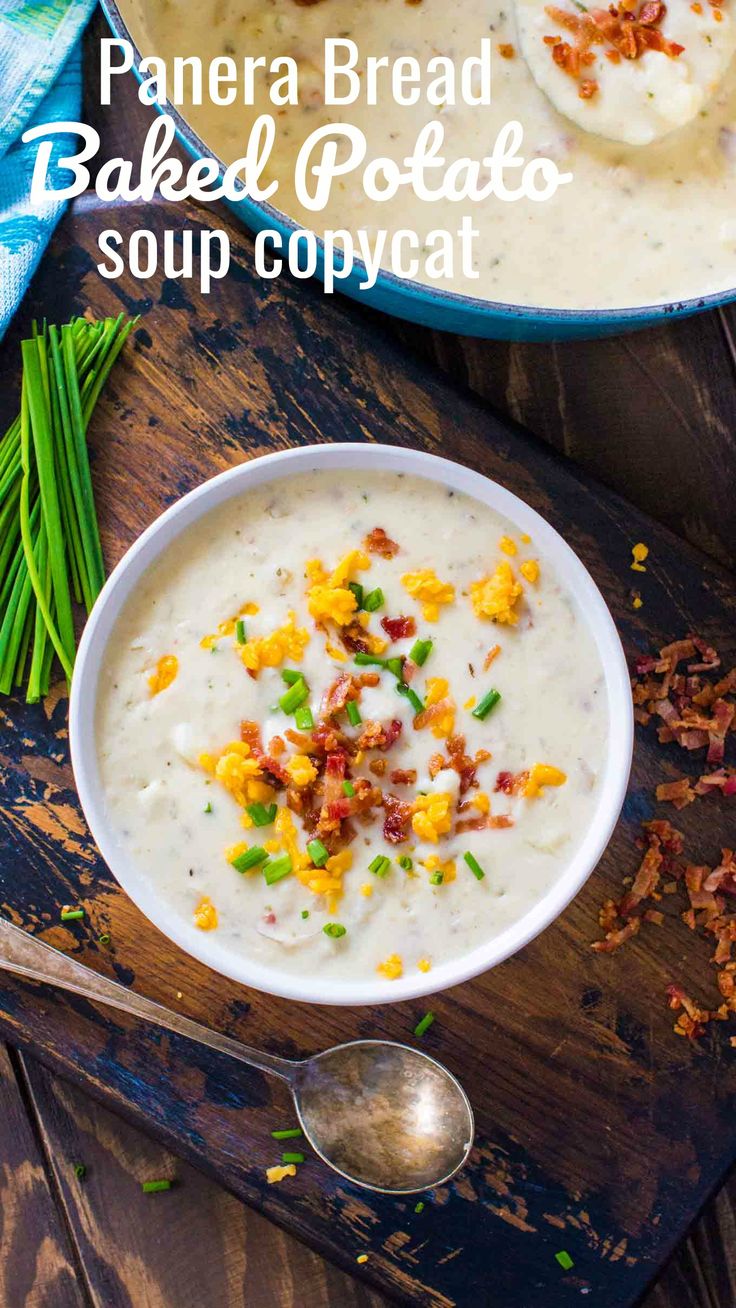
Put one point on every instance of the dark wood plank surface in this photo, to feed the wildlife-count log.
(599, 1131)
(37, 1261)
(190, 1246)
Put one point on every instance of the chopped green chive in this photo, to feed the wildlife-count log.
(305, 914)
(564, 1260)
(474, 866)
(353, 713)
(420, 652)
(375, 599)
(489, 701)
(348, 789)
(396, 665)
(406, 863)
(291, 1134)
(276, 869)
(240, 635)
(80, 1171)
(424, 1025)
(412, 697)
(208, 806)
(380, 865)
(419, 1208)
(368, 660)
(292, 1158)
(104, 939)
(334, 929)
(357, 590)
(304, 718)
(318, 852)
(291, 675)
(249, 858)
(295, 696)
(72, 914)
(436, 878)
(262, 816)
(154, 1187)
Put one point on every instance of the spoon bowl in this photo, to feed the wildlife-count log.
(384, 1115)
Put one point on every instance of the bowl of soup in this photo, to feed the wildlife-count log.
(351, 724)
(639, 105)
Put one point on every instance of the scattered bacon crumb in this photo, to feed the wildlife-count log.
(377, 542)
(694, 710)
(628, 34)
(506, 51)
(399, 628)
(396, 820)
(403, 777)
(492, 654)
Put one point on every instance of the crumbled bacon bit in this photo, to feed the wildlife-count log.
(506, 51)
(396, 820)
(403, 777)
(628, 34)
(379, 735)
(492, 654)
(692, 711)
(377, 542)
(399, 628)
(378, 767)
(511, 783)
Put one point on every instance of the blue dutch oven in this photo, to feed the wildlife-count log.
(427, 305)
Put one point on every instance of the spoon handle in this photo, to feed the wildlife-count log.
(28, 957)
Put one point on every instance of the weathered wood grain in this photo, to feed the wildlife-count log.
(190, 1246)
(37, 1267)
(598, 1130)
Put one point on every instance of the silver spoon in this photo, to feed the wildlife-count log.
(383, 1115)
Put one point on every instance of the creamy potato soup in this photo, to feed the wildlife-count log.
(353, 724)
(649, 216)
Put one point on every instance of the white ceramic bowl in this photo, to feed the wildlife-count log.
(271, 468)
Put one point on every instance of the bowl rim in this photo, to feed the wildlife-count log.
(403, 287)
(362, 456)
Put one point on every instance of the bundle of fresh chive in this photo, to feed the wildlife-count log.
(50, 551)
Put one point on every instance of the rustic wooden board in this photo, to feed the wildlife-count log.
(191, 1246)
(599, 1131)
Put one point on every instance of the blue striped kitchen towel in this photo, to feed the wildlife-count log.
(40, 82)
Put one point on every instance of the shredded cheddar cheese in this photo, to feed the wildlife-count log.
(495, 597)
(301, 769)
(328, 598)
(227, 628)
(541, 775)
(239, 773)
(426, 587)
(530, 570)
(438, 688)
(507, 545)
(446, 867)
(424, 965)
(470, 703)
(431, 817)
(205, 915)
(392, 968)
(366, 890)
(275, 1174)
(640, 553)
(166, 672)
(286, 642)
(482, 802)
